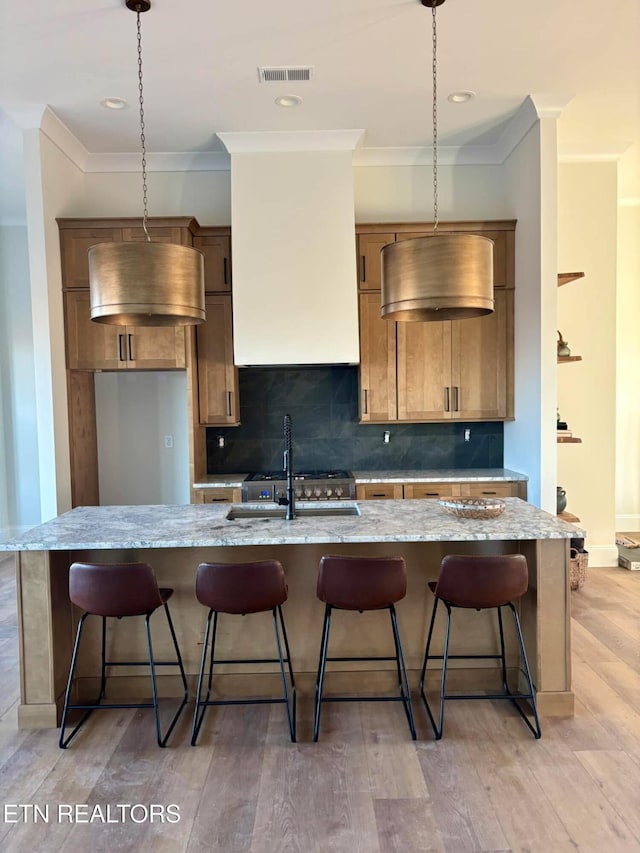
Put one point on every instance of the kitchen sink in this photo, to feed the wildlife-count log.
(238, 513)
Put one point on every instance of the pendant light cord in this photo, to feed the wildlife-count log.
(435, 118)
(145, 214)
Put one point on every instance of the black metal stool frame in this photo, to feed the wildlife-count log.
(207, 702)
(98, 704)
(446, 657)
(403, 681)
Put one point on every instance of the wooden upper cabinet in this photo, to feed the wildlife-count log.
(377, 362)
(216, 249)
(99, 346)
(450, 370)
(503, 238)
(369, 263)
(74, 245)
(90, 346)
(217, 375)
(481, 363)
(423, 371)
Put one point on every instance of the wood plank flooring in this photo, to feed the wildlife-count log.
(487, 786)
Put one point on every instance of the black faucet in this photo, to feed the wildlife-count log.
(289, 501)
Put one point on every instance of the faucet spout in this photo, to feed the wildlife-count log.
(289, 501)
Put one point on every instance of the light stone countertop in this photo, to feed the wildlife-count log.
(411, 475)
(220, 481)
(205, 525)
(439, 475)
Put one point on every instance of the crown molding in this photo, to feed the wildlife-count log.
(285, 140)
(190, 161)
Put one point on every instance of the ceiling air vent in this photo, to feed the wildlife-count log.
(285, 73)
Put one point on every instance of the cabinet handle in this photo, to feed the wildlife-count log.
(130, 347)
(485, 492)
(120, 342)
(364, 268)
(229, 410)
(446, 398)
(224, 274)
(379, 495)
(366, 403)
(432, 494)
(456, 398)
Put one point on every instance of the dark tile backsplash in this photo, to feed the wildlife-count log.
(323, 404)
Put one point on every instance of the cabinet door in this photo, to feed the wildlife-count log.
(217, 375)
(217, 261)
(379, 491)
(377, 362)
(154, 347)
(431, 491)
(479, 363)
(500, 489)
(424, 371)
(74, 245)
(369, 265)
(91, 346)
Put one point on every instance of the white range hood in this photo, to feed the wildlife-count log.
(295, 295)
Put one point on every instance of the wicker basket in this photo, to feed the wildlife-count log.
(473, 507)
(578, 562)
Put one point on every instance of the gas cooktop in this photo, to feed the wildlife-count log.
(309, 485)
(262, 476)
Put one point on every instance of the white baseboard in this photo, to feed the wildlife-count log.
(602, 556)
(627, 523)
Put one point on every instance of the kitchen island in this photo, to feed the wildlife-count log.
(174, 539)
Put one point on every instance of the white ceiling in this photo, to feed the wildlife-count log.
(372, 61)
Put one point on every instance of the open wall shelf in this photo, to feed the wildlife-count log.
(563, 359)
(566, 277)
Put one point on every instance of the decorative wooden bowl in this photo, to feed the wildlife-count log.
(473, 507)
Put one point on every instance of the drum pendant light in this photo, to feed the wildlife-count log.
(439, 276)
(145, 284)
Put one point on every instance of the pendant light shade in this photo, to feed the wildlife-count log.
(440, 277)
(146, 284)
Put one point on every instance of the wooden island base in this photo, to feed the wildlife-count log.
(47, 623)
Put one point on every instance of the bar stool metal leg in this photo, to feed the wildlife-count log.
(290, 703)
(536, 730)
(322, 663)
(201, 704)
(405, 690)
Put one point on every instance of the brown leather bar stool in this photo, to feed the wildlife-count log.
(479, 583)
(242, 588)
(362, 583)
(119, 590)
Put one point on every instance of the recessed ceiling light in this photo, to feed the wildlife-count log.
(114, 103)
(288, 101)
(461, 97)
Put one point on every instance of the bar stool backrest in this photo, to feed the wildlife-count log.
(361, 583)
(482, 581)
(241, 587)
(117, 589)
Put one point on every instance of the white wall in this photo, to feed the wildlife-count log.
(587, 217)
(19, 480)
(134, 413)
(628, 363)
(53, 186)
(531, 180)
(405, 193)
(203, 195)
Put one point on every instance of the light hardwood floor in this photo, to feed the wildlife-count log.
(487, 786)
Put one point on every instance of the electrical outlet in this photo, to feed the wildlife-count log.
(467, 435)
(168, 441)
